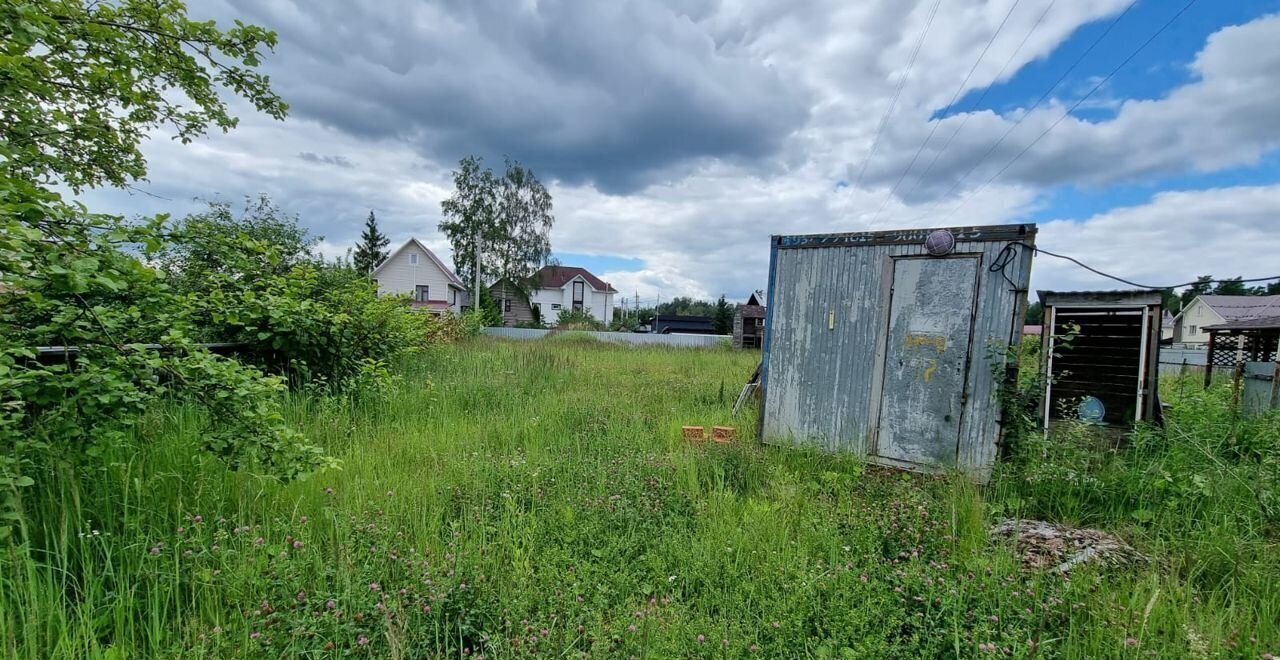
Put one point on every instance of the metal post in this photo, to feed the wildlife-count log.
(475, 303)
(1275, 386)
(1143, 345)
(1208, 363)
(1235, 389)
(1048, 361)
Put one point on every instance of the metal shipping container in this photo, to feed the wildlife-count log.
(879, 344)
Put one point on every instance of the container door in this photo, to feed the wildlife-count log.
(925, 359)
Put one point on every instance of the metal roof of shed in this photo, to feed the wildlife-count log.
(1117, 297)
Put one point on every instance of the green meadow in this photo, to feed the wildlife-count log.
(506, 499)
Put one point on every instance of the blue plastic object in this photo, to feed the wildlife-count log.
(1091, 410)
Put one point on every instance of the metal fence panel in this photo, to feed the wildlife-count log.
(632, 338)
(1261, 387)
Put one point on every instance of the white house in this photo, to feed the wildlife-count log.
(1209, 310)
(568, 288)
(1167, 326)
(415, 270)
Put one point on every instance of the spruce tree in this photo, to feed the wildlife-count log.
(722, 319)
(373, 247)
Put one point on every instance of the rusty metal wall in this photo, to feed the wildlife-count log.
(826, 334)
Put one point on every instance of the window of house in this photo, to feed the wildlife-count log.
(422, 293)
(555, 306)
(759, 323)
(413, 258)
(453, 296)
(506, 304)
(1193, 329)
(579, 292)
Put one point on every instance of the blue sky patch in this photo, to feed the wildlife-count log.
(1081, 202)
(599, 264)
(1158, 68)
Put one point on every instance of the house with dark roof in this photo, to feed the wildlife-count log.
(557, 288)
(415, 270)
(1209, 310)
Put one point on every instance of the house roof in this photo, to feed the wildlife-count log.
(453, 279)
(1260, 323)
(754, 301)
(555, 277)
(750, 311)
(1242, 308)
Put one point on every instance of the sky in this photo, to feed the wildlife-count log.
(676, 137)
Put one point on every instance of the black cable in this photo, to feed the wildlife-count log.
(1003, 260)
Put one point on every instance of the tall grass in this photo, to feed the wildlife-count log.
(513, 499)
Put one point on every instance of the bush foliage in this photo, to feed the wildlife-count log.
(135, 301)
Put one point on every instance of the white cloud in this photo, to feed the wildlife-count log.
(653, 100)
(1226, 232)
(1225, 117)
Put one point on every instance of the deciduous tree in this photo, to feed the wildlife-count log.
(510, 216)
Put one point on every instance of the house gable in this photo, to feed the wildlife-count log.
(512, 303)
(414, 270)
(553, 293)
(1189, 324)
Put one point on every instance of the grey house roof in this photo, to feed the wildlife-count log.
(1243, 308)
(1258, 323)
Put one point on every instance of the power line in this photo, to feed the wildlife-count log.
(981, 97)
(1002, 260)
(955, 96)
(897, 93)
(1018, 122)
(1073, 107)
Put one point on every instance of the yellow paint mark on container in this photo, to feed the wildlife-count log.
(928, 371)
(918, 339)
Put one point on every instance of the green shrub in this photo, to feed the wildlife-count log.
(578, 319)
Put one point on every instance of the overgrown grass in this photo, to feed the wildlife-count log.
(517, 499)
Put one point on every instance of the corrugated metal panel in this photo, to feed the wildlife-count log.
(826, 337)
(1261, 387)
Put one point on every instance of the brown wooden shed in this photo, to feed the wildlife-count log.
(1103, 347)
(748, 324)
(513, 303)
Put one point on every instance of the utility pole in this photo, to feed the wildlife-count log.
(475, 303)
